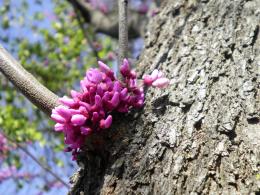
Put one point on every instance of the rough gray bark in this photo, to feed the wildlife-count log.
(202, 134)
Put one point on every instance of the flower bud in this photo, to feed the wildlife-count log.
(57, 118)
(125, 68)
(59, 127)
(94, 76)
(67, 101)
(103, 67)
(64, 112)
(78, 119)
(161, 83)
(104, 124)
(85, 130)
(95, 117)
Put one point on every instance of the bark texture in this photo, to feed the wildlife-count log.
(201, 135)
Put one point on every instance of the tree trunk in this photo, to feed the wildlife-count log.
(201, 135)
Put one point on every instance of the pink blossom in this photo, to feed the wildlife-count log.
(89, 110)
(67, 101)
(78, 119)
(125, 68)
(156, 79)
(161, 82)
(104, 124)
(58, 118)
(59, 127)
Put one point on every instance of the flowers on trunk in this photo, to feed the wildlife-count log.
(101, 94)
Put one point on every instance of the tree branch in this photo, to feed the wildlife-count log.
(81, 24)
(108, 23)
(39, 95)
(123, 30)
(45, 167)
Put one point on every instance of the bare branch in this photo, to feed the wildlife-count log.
(45, 167)
(39, 95)
(123, 30)
(81, 24)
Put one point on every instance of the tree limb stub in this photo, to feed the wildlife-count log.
(39, 95)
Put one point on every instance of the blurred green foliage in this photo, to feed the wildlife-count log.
(58, 60)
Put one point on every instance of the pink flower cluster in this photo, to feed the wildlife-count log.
(156, 79)
(101, 93)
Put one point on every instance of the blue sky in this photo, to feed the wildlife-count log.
(33, 187)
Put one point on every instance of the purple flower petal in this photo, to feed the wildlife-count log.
(67, 101)
(123, 94)
(64, 112)
(83, 110)
(75, 95)
(133, 74)
(125, 68)
(103, 67)
(95, 117)
(78, 119)
(132, 83)
(117, 86)
(100, 91)
(147, 79)
(94, 76)
(86, 105)
(154, 74)
(85, 130)
(59, 127)
(115, 99)
(106, 97)
(104, 124)
(57, 118)
(161, 83)
(98, 101)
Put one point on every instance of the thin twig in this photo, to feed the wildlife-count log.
(39, 95)
(123, 30)
(45, 167)
(81, 24)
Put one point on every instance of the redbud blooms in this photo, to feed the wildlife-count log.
(156, 79)
(101, 94)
